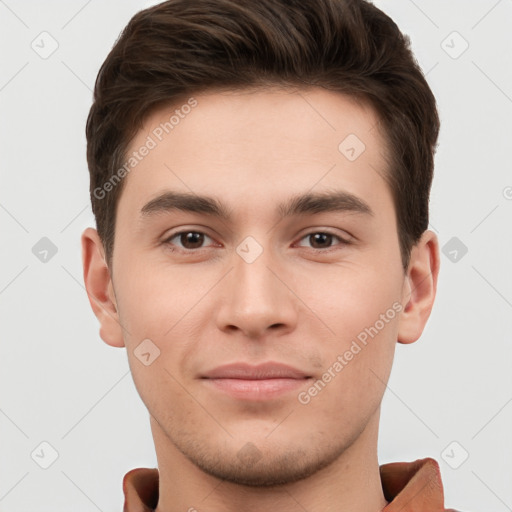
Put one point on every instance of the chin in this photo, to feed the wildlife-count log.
(253, 467)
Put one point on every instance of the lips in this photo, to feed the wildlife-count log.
(262, 382)
(262, 371)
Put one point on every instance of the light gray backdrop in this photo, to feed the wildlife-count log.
(68, 403)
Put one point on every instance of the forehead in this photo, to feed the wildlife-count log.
(258, 144)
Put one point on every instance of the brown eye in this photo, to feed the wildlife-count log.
(191, 240)
(322, 240)
(188, 240)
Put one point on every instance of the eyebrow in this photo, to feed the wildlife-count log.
(303, 204)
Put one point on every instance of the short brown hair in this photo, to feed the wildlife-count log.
(183, 47)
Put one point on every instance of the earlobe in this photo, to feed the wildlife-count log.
(419, 288)
(100, 291)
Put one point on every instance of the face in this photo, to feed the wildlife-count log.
(260, 314)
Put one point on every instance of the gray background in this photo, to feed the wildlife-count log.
(60, 384)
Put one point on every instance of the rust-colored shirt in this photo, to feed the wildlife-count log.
(408, 487)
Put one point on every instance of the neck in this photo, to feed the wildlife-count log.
(351, 482)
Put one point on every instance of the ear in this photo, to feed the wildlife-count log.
(419, 288)
(100, 291)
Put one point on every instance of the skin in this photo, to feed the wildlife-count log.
(301, 302)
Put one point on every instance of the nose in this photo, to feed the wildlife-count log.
(256, 297)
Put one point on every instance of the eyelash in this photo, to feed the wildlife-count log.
(342, 241)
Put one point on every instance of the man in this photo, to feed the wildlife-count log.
(260, 175)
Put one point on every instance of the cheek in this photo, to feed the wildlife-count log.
(360, 309)
(346, 403)
(154, 298)
(162, 311)
(160, 390)
(356, 367)
(346, 299)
